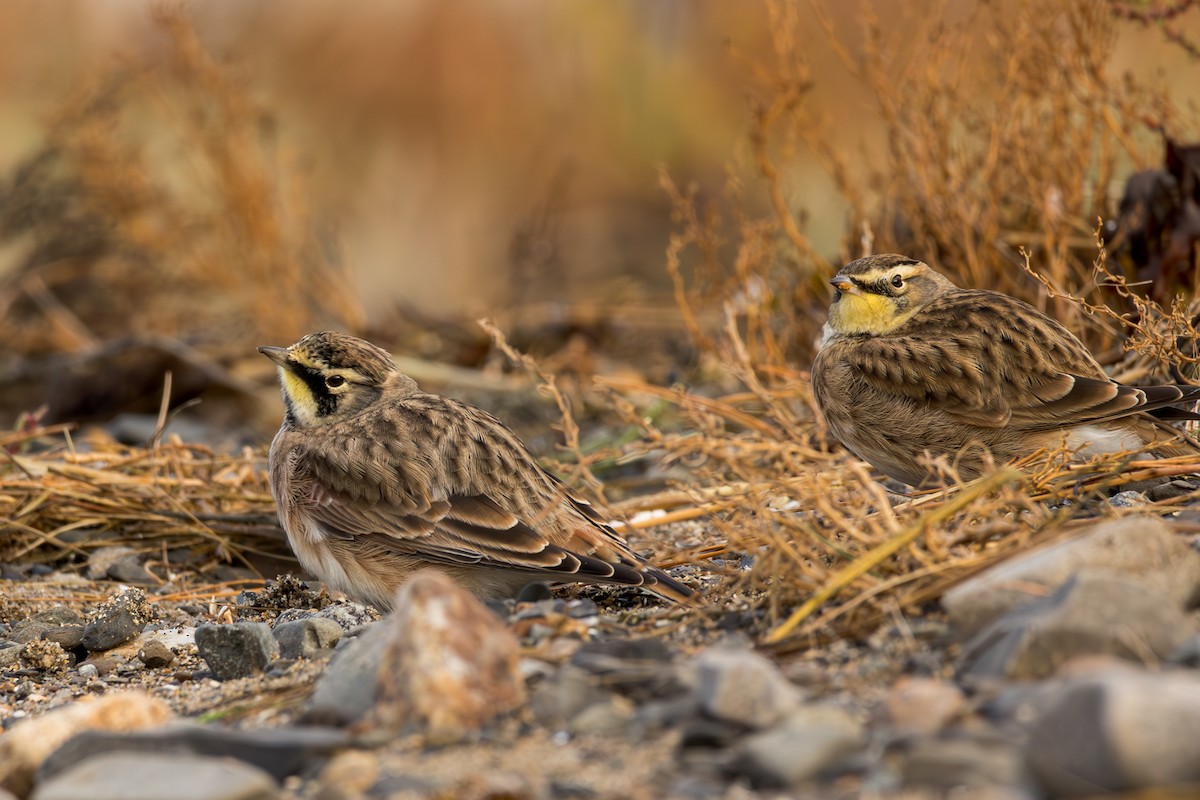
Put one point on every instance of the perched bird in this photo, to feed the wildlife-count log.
(375, 479)
(911, 365)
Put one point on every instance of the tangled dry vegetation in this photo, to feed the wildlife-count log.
(1004, 133)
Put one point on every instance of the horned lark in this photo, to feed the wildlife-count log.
(910, 365)
(375, 479)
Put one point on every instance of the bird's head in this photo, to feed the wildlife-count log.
(877, 294)
(330, 376)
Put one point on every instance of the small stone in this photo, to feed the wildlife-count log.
(10, 653)
(1128, 499)
(610, 718)
(812, 741)
(347, 690)
(102, 558)
(1146, 548)
(738, 685)
(238, 650)
(88, 671)
(155, 654)
(131, 570)
(923, 705)
(59, 615)
(28, 630)
(127, 776)
(279, 752)
(1118, 731)
(307, 638)
(27, 744)
(350, 615)
(117, 620)
(67, 636)
(45, 656)
(641, 668)
(977, 762)
(1096, 612)
(352, 773)
(561, 696)
(1170, 490)
(450, 665)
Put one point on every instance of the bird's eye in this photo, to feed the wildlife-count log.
(334, 381)
(897, 281)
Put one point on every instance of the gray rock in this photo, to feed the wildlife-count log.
(612, 718)
(117, 620)
(102, 558)
(1097, 612)
(968, 761)
(1146, 548)
(238, 650)
(347, 690)
(155, 654)
(279, 752)
(10, 653)
(1187, 654)
(131, 570)
(812, 741)
(27, 631)
(1118, 731)
(350, 615)
(640, 668)
(66, 636)
(128, 776)
(307, 638)
(738, 685)
(556, 700)
(1128, 499)
(59, 615)
(923, 705)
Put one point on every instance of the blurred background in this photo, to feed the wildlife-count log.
(604, 178)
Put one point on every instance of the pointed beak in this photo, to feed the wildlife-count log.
(277, 354)
(842, 284)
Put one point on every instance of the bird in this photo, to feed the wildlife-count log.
(911, 367)
(374, 479)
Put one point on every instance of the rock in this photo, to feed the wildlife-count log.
(347, 690)
(1146, 548)
(811, 741)
(351, 774)
(27, 744)
(117, 620)
(238, 650)
(966, 761)
(127, 776)
(611, 717)
(350, 615)
(279, 752)
(102, 558)
(155, 654)
(923, 705)
(737, 685)
(307, 638)
(450, 665)
(562, 695)
(1118, 731)
(130, 569)
(66, 636)
(88, 671)
(1096, 612)
(27, 631)
(1171, 490)
(1128, 499)
(58, 616)
(45, 656)
(641, 668)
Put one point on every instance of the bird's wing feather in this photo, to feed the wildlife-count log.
(491, 504)
(991, 360)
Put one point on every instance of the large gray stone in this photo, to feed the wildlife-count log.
(236, 651)
(1146, 548)
(141, 776)
(1118, 731)
(307, 638)
(811, 741)
(1097, 612)
(735, 684)
(117, 620)
(350, 685)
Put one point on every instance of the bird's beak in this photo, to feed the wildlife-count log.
(277, 354)
(841, 283)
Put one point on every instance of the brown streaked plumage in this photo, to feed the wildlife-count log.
(375, 479)
(912, 365)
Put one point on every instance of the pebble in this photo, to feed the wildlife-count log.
(737, 685)
(279, 752)
(350, 615)
(26, 745)
(45, 656)
(117, 620)
(68, 636)
(155, 654)
(238, 650)
(347, 689)
(965, 761)
(923, 706)
(1118, 730)
(611, 717)
(1096, 612)
(128, 776)
(812, 741)
(562, 695)
(1146, 548)
(102, 558)
(307, 638)
(640, 668)
(57, 616)
(450, 665)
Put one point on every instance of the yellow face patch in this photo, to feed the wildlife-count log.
(865, 312)
(303, 404)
